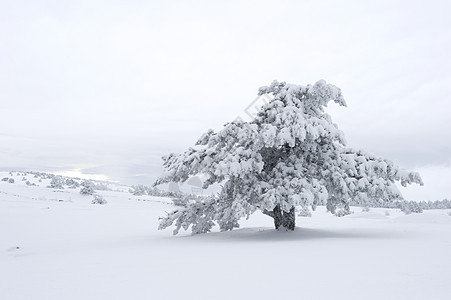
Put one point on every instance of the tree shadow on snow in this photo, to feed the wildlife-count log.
(263, 234)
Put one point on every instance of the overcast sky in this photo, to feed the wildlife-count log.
(108, 87)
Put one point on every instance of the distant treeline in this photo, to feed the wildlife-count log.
(409, 206)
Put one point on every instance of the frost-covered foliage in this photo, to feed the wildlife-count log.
(56, 183)
(98, 199)
(185, 199)
(71, 183)
(181, 201)
(101, 187)
(199, 214)
(140, 190)
(305, 212)
(343, 212)
(11, 180)
(89, 184)
(87, 188)
(291, 155)
(30, 184)
(411, 207)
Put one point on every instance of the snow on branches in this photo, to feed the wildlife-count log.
(291, 155)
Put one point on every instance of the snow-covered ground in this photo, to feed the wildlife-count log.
(55, 244)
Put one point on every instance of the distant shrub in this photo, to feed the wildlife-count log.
(365, 209)
(5, 179)
(56, 183)
(87, 187)
(139, 190)
(101, 187)
(305, 212)
(71, 183)
(343, 212)
(98, 199)
(11, 180)
(409, 205)
(387, 213)
(87, 190)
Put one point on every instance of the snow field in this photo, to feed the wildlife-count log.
(72, 249)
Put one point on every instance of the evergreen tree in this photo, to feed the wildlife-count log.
(291, 155)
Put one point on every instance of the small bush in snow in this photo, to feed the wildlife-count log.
(87, 188)
(305, 212)
(5, 179)
(11, 180)
(101, 187)
(139, 190)
(72, 183)
(56, 183)
(387, 213)
(365, 209)
(343, 212)
(98, 199)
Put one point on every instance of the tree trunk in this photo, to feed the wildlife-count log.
(289, 219)
(278, 217)
(283, 219)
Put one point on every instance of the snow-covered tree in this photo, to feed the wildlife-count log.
(87, 187)
(290, 156)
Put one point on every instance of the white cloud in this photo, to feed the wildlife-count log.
(118, 85)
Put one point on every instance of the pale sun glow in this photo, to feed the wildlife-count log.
(78, 173)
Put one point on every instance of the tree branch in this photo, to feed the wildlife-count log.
(268, 213)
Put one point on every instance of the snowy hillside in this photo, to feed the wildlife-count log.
(56, 244)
